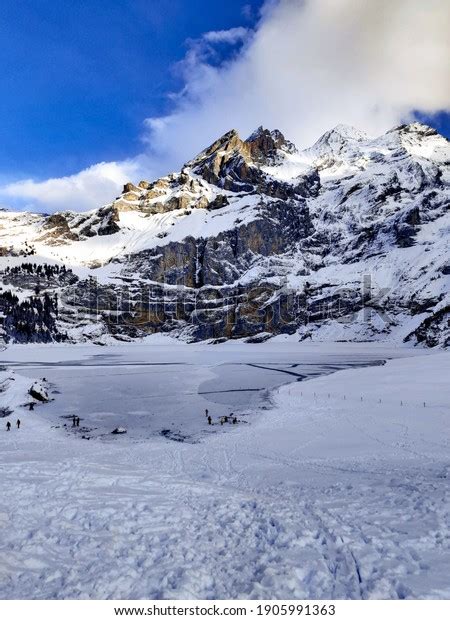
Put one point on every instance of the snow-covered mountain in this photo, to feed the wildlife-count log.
(346, 240)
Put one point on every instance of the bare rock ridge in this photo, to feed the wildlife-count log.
(346, 240)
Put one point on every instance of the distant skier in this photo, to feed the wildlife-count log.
(78, 421)
(234, 420)
(18, 423)
(209, 420)
(74, 421)
(31, 406)
(8, 425)
(206, 412)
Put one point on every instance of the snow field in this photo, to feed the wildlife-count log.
(316, 498)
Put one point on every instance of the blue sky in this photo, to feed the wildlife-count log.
(96, 92)
(79, 77)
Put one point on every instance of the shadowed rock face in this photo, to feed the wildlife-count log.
(264, 145)
(68, 226)
(58, 229)
(253, 237)
(235, 165)
(223, 259)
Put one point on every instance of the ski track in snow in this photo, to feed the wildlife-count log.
(282, 508)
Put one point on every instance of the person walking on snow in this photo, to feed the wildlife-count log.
(8, 425)
(206, 412)
(74, 421)
(78, 421)
(31, 406)
(209, 420)
(18, 423)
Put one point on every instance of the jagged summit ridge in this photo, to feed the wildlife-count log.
(419, 129)
(263, 146)
(342, 134)
(230, 157)
(286, 236)
(266, 146)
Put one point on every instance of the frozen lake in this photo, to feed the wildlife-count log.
(165, 389)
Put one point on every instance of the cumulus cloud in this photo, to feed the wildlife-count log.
(310, 65)
(231, 36)
(307, 66)
(88, 189)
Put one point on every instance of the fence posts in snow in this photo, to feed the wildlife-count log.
(344, 396)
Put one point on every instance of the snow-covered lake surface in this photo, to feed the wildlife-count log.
(151, 389)
(331, 487)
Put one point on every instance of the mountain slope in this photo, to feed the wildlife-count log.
(346, 240)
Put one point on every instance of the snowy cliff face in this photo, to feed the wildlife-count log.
(346, 240)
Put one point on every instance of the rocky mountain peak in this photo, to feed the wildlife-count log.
(417, 129)
(213, 160)
(343, 142)
(264, 145)
(339, 137)
(348, 132)
(418, 139)
(225, 146)
(231, 159)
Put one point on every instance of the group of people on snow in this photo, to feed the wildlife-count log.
(75, 420)
(8, 425)
(225, 419)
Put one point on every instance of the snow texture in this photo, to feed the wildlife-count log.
(339, 489)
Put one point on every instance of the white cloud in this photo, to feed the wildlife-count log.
(231, 36)
(308, 66)
(88, 189)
